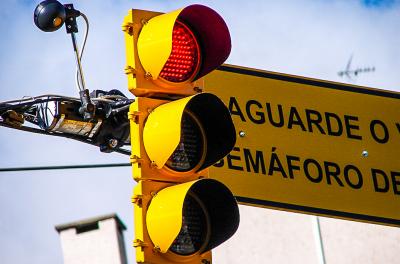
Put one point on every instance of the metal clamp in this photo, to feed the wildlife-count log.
(128, 28)
(130, 70)
(134, 116)
(137, 199)
(135, 159)
(139, 243)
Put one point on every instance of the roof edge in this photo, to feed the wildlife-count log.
(91, 220)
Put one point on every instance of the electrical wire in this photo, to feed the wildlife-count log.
(113, 96)
(64, 167)
(32, 98)
(77, 75)
(64, 135)
(37, 111)
(117, 110)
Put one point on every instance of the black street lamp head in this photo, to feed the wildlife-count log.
(49, 15)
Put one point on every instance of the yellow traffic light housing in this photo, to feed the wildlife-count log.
(168, 53)
(176, 140)
(192, 211)
(181, 223)
(177, 132)
(202, 117)
(173, 144)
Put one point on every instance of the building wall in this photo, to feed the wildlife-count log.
(271, 236)
(100, 246)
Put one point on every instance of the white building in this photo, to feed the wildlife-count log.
(278, 237)
(95, 240)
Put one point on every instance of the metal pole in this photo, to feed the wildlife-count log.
(318, 240)
(78, 62)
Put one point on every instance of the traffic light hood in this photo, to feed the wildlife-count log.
(165, 215)
(163, 129)
(209, 28)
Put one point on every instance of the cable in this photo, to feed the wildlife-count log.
(22, 105)
(64, 167)
(74, 137)
(36, 111)
(32, 99)
(77, 82)
(117, 110)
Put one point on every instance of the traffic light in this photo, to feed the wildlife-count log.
(168, 53)
(177, 132)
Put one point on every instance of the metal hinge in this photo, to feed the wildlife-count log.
(137, 199)
(128, 28)
(130, 70)
(134, 116)
(139, 243)
(135, 159)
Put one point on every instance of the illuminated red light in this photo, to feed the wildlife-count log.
(184, 59)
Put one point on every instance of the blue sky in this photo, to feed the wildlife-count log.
(308, 38)
(379, 3)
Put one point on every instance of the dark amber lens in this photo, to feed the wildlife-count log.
(189, 152)
(194, 230)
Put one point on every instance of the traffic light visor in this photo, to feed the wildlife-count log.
(192, 217)
(184, 45)
(189, 134)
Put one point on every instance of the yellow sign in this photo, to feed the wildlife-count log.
(311, 146)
